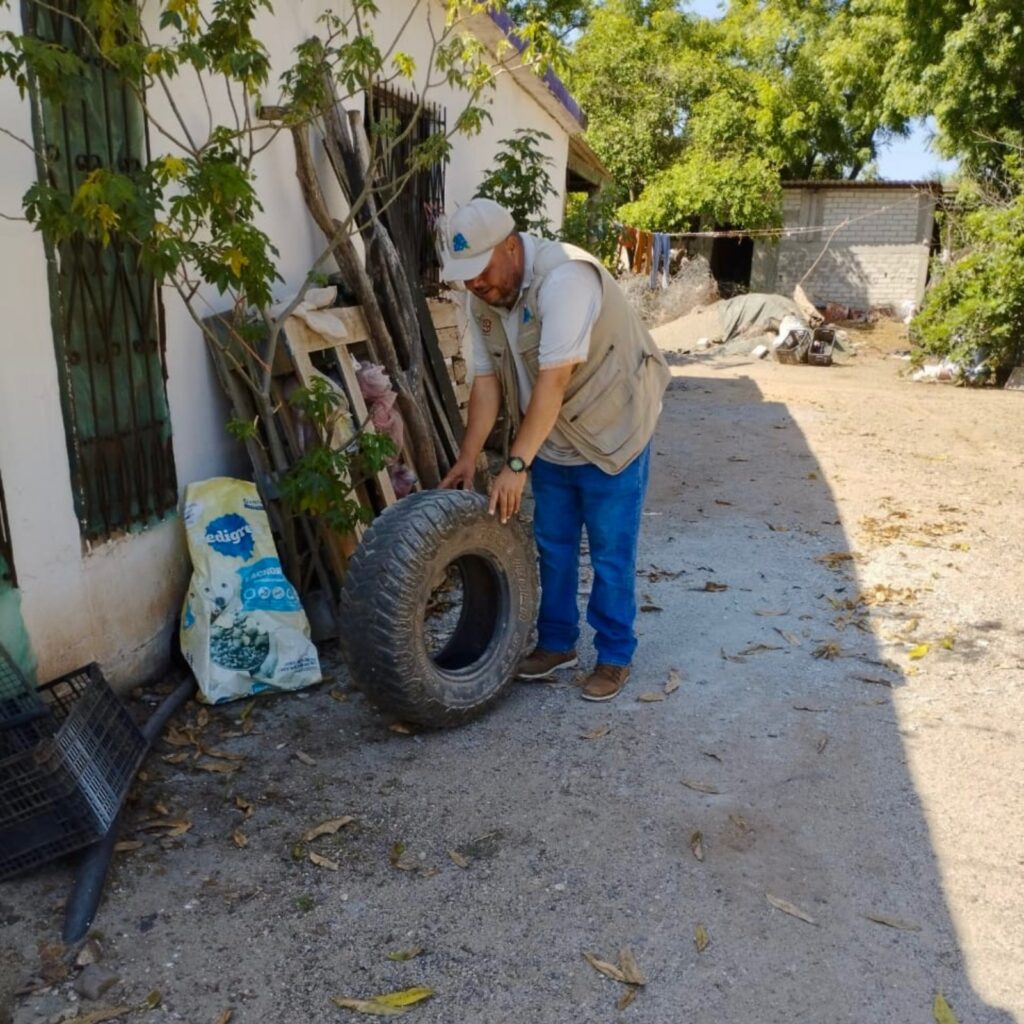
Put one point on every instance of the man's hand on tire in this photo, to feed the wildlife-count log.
(460, 475)
(507, 494)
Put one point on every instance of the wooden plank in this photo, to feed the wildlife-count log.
(302, 342)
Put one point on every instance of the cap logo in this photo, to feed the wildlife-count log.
(527, 315)
(459, 243)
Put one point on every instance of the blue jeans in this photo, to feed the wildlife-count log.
(567, 499)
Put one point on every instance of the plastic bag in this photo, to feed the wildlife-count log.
(243, 629)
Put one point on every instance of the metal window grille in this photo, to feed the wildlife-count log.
(107, 317)
(7, 577)
(413, 211)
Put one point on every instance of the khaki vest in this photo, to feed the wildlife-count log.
(613, 400)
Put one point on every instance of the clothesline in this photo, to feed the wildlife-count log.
(784, 232)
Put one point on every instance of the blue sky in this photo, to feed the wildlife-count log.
(909, 159)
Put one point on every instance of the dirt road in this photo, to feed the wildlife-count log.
(844, 743)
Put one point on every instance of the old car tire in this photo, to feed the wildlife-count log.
(389, 581)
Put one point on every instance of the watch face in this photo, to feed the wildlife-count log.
(516, 464)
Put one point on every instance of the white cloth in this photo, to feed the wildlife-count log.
(309, 311)
(568, 304)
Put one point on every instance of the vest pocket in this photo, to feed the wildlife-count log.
(609, 412)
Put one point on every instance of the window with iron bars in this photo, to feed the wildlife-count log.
(413, 211)
(106, 312)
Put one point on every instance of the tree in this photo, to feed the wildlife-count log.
(963, 62)
(191, 214)
(702, 118)
(520, 181)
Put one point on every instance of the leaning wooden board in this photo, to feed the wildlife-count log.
(301, 342)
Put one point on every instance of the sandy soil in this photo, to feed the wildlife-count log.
(845, 742)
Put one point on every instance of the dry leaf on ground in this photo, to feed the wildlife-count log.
(697, 844)
(402, 728)
(828, 651)
(651, 697)
(942, 1011)
(326, 828)
(390, 1005)
(596, 733)
(790, 638)
(225, 1017)
(673, 681)
(179, 758)
(337, 694)
(630, 968)
(219, 767)
(651, 608)
(458, 859)
(239, 838)
(700, 787)
(609, 970)
(98, 1016)
(789, 908)
(245, 807)
(203, 718)
(876, 680)
(323, 862)
(834, 559)
(758, 649)
(626, 998)
(174, 826)
(731, 657)
(223, 755)
(822, 743)
(701, 939)
(397, 858)
(301, 755)
(767, 612)
(711, 587)
(401, 955)
(127, 845)
(893, 922)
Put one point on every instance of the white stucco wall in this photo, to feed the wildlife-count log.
(117, 602)
(878, 259)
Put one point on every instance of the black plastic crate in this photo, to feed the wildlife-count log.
(24, 716)
(64, 792)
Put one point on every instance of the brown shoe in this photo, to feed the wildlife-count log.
(541, 664)
(605, 682)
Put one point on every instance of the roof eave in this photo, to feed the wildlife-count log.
(497, 31)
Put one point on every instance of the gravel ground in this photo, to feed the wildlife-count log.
(844, 743)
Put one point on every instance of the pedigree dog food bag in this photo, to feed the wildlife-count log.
(243, 628)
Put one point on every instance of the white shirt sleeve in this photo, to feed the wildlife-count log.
(568, 303)
(482, 362)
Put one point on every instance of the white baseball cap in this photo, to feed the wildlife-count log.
(472, 233)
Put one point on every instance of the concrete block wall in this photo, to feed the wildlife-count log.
(877, 258)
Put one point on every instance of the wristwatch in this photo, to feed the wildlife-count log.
(516, 464)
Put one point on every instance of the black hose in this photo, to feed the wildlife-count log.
(91, 874)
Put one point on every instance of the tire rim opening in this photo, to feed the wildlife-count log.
(462, 613)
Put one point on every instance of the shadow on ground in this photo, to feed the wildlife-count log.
(790, 766)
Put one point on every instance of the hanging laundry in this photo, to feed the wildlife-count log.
(642, 259)
(660, 255)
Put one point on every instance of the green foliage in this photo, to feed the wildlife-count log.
(324, 479)
(737, 190)
(520, 181)
(695, 118)
(626, 75)
(977, 303)
(964, 63)
(590, 223)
